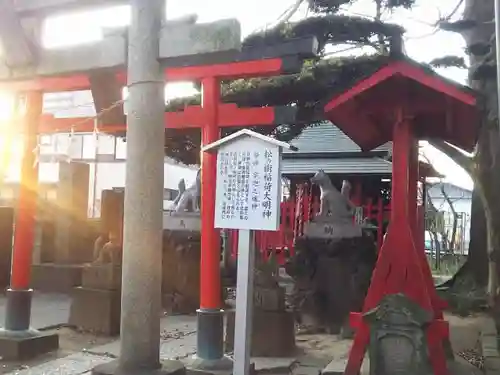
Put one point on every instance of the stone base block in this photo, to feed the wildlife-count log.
(106, 276)
(96, 310)
(332, 230)
(273, 333)
(337, 367)
(56, 278)
(18, 348)
(167, 368)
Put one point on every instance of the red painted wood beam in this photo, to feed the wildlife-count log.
(47, 84)
(233, 70)
(230, 115)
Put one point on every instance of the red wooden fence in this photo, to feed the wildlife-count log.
(294, 213)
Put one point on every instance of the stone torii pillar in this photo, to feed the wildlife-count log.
(143, 211)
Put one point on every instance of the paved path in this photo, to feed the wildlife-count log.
(178, 341)
(48, 310)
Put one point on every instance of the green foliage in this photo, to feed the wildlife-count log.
(327, 6)
(308, 90)
(329, 29)
(449, 61)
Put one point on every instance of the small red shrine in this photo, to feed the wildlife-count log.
(404, 102)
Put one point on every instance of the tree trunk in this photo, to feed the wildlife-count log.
(474, 272)
(477, 259)
(487, 158)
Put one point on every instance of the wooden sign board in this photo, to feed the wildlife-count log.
(248, 188)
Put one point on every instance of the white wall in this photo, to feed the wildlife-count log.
(112, 175)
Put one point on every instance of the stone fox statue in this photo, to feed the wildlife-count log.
(109, 252)
(190, 197)
(333, 202)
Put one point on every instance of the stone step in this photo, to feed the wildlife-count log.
(337, 367)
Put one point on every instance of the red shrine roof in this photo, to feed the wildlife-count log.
(440, 108)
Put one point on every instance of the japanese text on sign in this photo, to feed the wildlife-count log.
(248, 186)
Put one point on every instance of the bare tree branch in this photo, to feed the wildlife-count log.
(455, 219)
(290, 13)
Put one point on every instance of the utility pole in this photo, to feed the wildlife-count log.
(143, 218)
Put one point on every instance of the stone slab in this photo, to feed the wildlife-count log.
(106, 277)
(111, 51)
(337, 367)
(181, 221)
(75, 364)
(56, 278)
(277, 365)
(42, 7)
(23, 348)
(96, 310)
(167, 368)
(489, 346)
(332, 230)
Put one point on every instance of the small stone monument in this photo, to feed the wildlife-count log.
(273, 326)
(96, 304)
(332, 264)
(181, 251)
(397, 337)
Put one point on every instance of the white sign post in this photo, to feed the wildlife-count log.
(248, 196)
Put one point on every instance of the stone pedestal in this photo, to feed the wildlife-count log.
(181, 263)
(332, 230)
(56, 278)
(273, 327)
(331, 276)
(96, 305)
(273, 333)
(24, 346)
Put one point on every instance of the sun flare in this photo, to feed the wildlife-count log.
(10, 143)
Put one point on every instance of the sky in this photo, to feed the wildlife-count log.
(423, 43)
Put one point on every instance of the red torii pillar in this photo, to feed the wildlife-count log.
(17, 332)
(210, 341)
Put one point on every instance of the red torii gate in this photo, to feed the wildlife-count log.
(230, 115)
(211, 116)
(404, 102)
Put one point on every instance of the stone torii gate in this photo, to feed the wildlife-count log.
(205, 59)
(28, 70)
